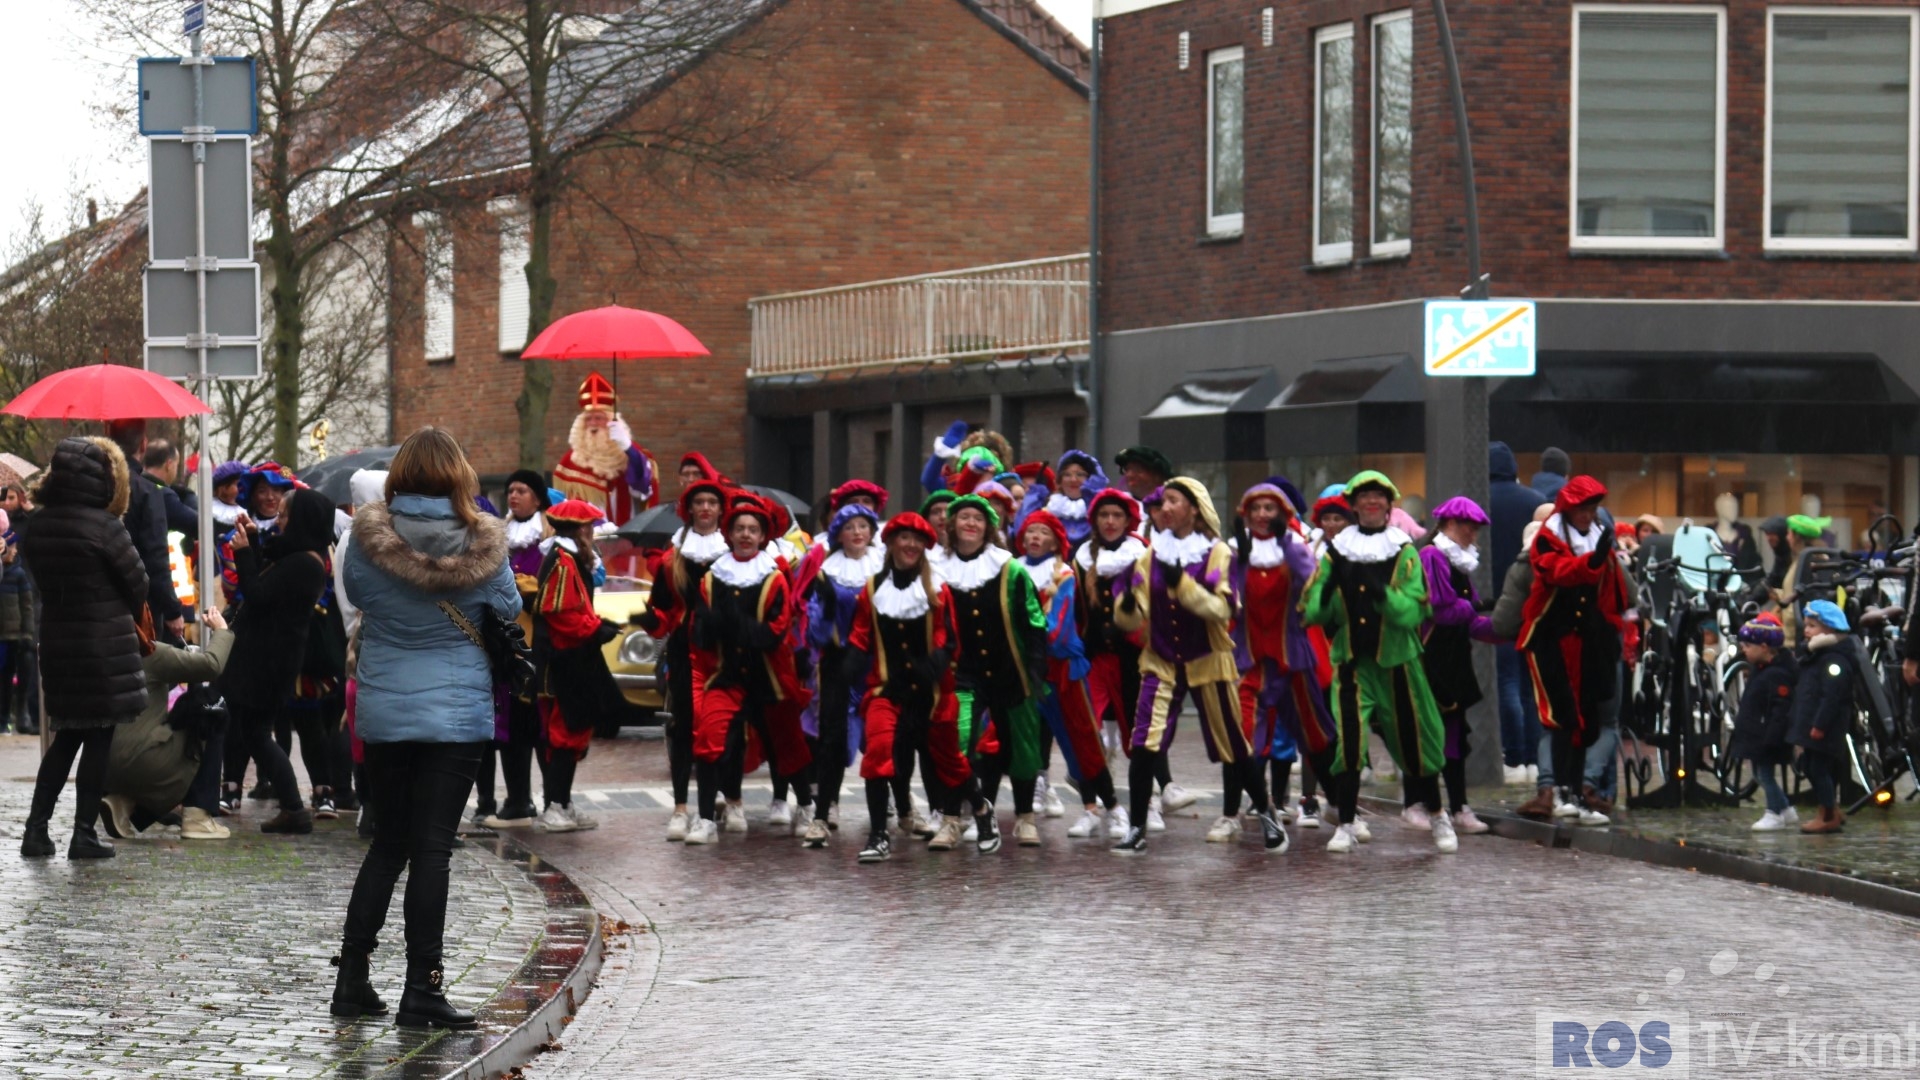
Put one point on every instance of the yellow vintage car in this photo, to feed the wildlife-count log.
(633, 656)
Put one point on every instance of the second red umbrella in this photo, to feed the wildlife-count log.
(614, 333)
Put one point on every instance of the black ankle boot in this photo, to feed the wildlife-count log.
(353, 993)
(423, 1005)
(298, 822)
(36, 844)
(86, 844)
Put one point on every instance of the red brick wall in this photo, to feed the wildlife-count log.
(939, 144)
(1516, 62)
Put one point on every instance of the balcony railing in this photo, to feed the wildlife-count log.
(987, 312)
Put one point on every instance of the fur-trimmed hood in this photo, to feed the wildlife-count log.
(375, 535)
(86, 471)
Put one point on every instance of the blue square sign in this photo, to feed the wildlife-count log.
(194, 20)
(1484, 338)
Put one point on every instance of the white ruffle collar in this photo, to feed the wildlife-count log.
(700, 548)
(1582, 543)
(1173, 551)
(1356, 545)
(1094, 556)
(1067, 509)
(522, 535)
(966, 575)
(1464, 559)
(1042, 572)
(551, 542)
(900, 604)
(225, 513)
(1265, 553)
(850, 573)
(745, 575)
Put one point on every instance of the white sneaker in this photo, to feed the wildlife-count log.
(1050, 803)
(1174, 798)
(949, 837)
(580, 820)
(702, 831)
(1417, 816)
(780, 814)
(1087, 824)
(1791, 817)
(802, 818)
(1288, 813)
(1592, 817)
(1513, 775)
(736, 817)
(1307, 819)
(935, 820)
(1444, 841)
(1343, 840)
(833, 816)
(554, 819)
(971, 833)
(1118, 822)
(1770, 822)
(1360, 831)
(677, 826)
(917, 827)
(1225, 830)
(1155, 823)
(1366, 775)
(816, 834)
(1533, 776)
(1467, 822)
(1565, 808)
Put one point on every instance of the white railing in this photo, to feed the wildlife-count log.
(1005, 311)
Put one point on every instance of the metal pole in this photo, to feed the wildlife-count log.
(1093, 249)
(207, 561)
(1463, 139)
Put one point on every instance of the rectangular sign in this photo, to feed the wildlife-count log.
(195, 19)
(228, 94)
(232, 360)
(1484, 338)
(170, 200)
(173, 302)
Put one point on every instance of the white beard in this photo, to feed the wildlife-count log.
(596, 451)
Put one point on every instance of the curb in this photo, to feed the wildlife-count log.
(549, 986)
(1680, 855)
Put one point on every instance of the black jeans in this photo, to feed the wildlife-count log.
(253, 729)
(91, 745)
(417, 790)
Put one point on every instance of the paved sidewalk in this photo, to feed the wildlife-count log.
(204, 959)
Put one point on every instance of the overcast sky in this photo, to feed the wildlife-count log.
(60, 150)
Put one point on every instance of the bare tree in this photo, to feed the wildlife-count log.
(318, 175)
(563, 84)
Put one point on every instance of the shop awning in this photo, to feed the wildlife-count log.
(1353, 405)
(1213, 416)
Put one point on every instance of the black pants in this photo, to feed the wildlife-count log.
(204, 792)
(1248, 776)
(517, 756)
(417, 790)
(830, 748)
(1343, 788)
(253, 730)
(91, 745)
(309, 719)
(680, 714)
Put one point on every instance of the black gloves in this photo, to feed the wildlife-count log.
(1599, 558)
(1174, 572)
(762, 637)
(829, 597)
(930, 668)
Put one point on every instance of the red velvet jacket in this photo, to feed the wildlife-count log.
(1556, 567)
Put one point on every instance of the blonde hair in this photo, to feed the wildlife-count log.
(431, 463)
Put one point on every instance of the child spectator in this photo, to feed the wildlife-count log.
(1765, 715)
(1823, 709)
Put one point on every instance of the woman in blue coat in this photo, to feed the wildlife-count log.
(424, 705)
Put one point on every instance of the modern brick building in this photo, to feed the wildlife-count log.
(1713, 204)
(940, 133)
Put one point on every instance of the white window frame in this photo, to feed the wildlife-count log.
(1840, 244)
(1375, 247)
(1326, 254)
(436, 292)
(515, 243)
(1227, 224)
(1716, 242)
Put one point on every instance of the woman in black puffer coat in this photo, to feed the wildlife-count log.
(270, 638)
(95, 593)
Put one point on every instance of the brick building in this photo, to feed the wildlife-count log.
(937, 133)
(1713, 204)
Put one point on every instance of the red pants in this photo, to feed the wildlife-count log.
(559, 735)
(718, 710)
(1076, 727)
(941, 735)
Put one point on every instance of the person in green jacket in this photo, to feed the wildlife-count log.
(1370, 594)
(152, 765)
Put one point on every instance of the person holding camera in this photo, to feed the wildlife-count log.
(420, 563)
(170, 756)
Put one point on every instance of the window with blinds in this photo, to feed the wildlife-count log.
(1648, 127)
(1226, 152)
(1840, 130)
(1333, 144)
(514, 252)
(436, 256)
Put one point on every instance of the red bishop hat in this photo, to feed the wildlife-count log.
(1578, 492)
(845, 492)
(715, 488)
(575, 512)
(908, 521)
(1052, 524)
(747, 503)
(597, 393)
(1116, 497)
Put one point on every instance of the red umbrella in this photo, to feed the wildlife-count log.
(105, 392)
(614, 333)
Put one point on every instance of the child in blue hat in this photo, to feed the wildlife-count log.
(1823, 707)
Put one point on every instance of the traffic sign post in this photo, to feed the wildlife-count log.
(201, 285)
(1483, 338)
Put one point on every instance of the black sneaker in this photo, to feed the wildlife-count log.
(324, 810)
(878, 849)
(261, 792)
(1273, 833)
(989, 827)
(229, 804)
(1134, 844)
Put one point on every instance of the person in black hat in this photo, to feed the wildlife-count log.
(528, 500)
(1143, 469)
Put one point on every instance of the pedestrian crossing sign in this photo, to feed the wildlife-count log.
(1485, 338)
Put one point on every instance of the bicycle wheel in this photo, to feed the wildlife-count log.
(1731, 770)
(1868, 770)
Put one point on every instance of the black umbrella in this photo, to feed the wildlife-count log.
(651, 528)
(796, 506)
(334, 476)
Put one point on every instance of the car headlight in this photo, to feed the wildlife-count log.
(639, 649)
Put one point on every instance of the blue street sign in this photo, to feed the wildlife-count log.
(1484, 338)
(196, 19)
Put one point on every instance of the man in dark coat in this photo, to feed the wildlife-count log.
(1512, 504)
(162, 462)
(1555, 466)
(147, 523)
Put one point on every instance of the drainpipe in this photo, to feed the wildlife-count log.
(1091, 393)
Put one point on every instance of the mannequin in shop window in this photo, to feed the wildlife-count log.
(1736, 539)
